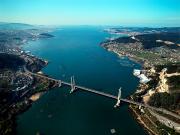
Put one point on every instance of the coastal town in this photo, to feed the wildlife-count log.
(17, 84)
(159, 78)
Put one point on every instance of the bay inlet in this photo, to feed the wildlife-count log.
(77, 51)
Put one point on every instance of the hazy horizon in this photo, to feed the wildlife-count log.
(142, 13)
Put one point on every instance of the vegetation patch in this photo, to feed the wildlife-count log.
(10, 61)
(165, 100)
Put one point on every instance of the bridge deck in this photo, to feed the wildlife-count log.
(110, 96)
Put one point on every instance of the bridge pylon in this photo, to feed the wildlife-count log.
(60, 83)
(118, 99)
(72, 84)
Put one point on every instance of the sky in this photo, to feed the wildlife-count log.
(92, 12)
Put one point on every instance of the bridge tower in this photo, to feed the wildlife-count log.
(118, 99)
(60, 83)
(72, 84)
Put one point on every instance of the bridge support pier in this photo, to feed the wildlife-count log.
(72, 84)
(118, 99)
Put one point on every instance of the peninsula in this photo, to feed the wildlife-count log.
(158, 50)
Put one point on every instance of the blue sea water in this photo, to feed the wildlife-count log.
(77, 51)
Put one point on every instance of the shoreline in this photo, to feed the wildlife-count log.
(31, 94)
(151, 126)
(135, 115)
(140, 121)
(38, 95)
(35, 96)
(140, 62)
(133, 112)
(32, 98)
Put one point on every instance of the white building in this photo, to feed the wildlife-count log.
(136, 72)
(142, 77)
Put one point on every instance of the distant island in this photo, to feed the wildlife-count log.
(158, 50)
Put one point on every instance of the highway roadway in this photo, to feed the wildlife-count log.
(77, 87)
